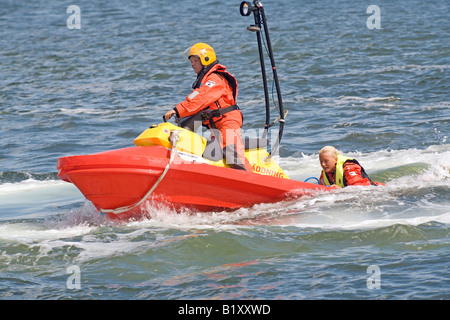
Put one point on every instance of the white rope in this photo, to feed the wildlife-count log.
(174, 138)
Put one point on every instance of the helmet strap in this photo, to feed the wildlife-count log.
(202, 73)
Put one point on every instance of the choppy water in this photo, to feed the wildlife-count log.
(379, 95)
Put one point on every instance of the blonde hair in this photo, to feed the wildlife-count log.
(329, 149)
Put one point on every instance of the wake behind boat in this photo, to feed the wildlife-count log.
(174, 166)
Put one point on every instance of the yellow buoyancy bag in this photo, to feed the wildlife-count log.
(159, 135)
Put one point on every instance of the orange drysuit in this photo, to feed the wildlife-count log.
(353, 175)
(217, 90)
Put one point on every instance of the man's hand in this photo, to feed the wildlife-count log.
(169, 114)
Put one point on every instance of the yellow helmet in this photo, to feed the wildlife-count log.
(203, 51)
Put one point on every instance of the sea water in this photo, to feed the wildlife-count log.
(90, 78)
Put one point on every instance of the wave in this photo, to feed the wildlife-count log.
(17, 176)
(418, 182)
(24, 195)
(384, 164)
(415, 200)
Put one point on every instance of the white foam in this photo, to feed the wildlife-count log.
(29, 232)
(32, 198)
(29, 185)
(90, 111)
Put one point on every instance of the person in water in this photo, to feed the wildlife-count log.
(339, 171)
(213, 101)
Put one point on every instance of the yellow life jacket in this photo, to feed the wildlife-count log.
(339, 177)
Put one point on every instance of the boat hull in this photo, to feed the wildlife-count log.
(122, 178)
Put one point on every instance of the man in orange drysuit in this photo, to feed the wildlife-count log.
(214, 97)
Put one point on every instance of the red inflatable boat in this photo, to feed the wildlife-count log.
(121, 182)
(168, 165)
